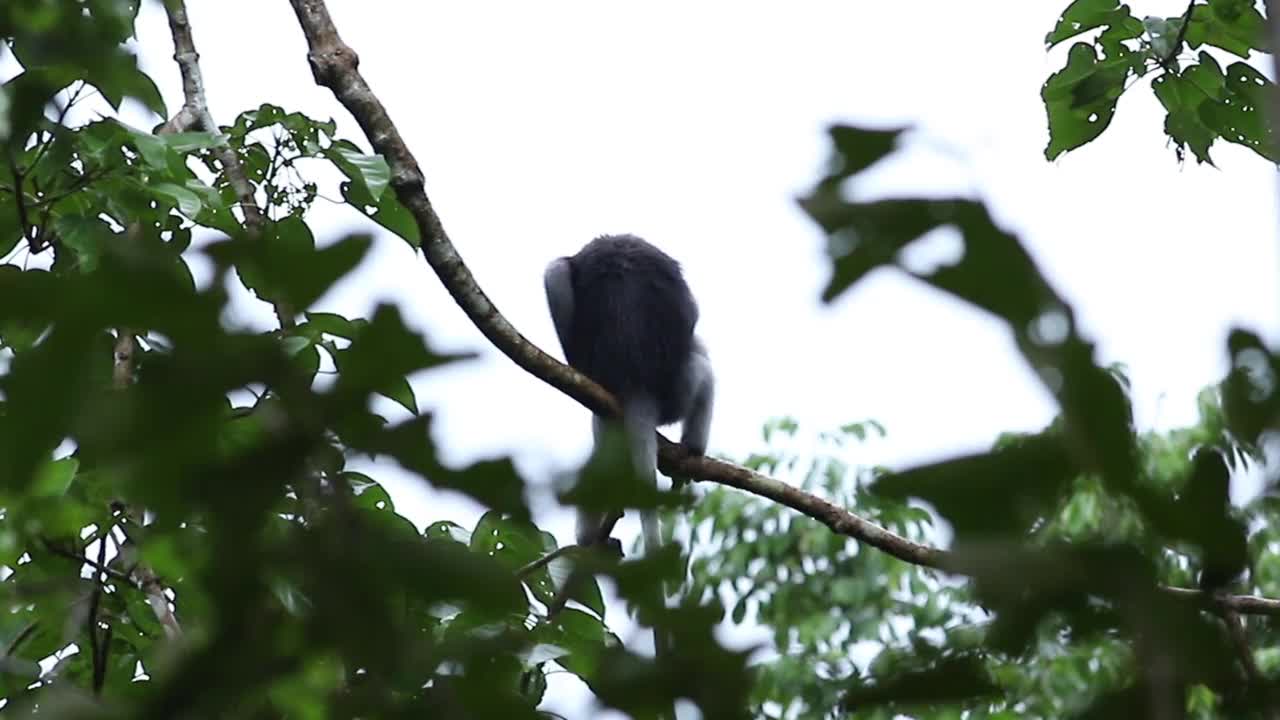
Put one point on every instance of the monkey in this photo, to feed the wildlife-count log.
(1221, 534)
(625, 318)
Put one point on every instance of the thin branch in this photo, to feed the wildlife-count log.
(98, 650)
(336, 66)
(1243, 604)
(54, 549)
(158, 599)
(1240, 639)
(21, 638)
(547, 559)
(125, 362)
(195, 113)
(1182, 36)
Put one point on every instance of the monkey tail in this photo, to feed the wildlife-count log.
(662, 652)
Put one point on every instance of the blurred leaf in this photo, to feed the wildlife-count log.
(55, 477)
(950, 679)
(1001, 493)
(284, 265)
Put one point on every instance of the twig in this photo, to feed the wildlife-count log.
(547, 559)
(98, 566)
(158, 600)
(1181, 37)
(21, 638)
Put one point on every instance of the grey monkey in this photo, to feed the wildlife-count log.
(625, 318)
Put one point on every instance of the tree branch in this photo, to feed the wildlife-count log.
(99, 645)
(336, 66)
(1180, 38)
(195, 113)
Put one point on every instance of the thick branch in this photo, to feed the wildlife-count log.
(336, 66)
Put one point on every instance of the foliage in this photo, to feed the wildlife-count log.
(1069, 537)
(1204, 102)
(858, 634)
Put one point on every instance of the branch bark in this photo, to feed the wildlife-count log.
(335, 65)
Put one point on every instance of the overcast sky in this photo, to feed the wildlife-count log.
(695, 125)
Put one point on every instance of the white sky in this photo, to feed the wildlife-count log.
(695, 125)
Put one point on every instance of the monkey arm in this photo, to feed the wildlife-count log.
(558, 282)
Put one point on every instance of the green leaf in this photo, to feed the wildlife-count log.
(1240, 117)
(188, 202)
(1233, 25)
(952, 679)
(1084, 15)
(86, 237)
(189, 142)
(401, 392)
(494, 483)
(514, 543)
(1182, 95)
(334, 324)
(385, 210)
(585, 638)
(369, 494)
(284, 264)
(294, 344)
(998, 494)
(1081, 97)
(155, 152)
(447, 530)
(55, 477)
(371, 171)
(381, 355)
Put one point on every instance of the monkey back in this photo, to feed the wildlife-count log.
(633, 320)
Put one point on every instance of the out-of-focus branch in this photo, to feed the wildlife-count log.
(126, 349)
(195, 114)
(1240, 639)
(158, 599)
(124, 361)
(99, 642)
